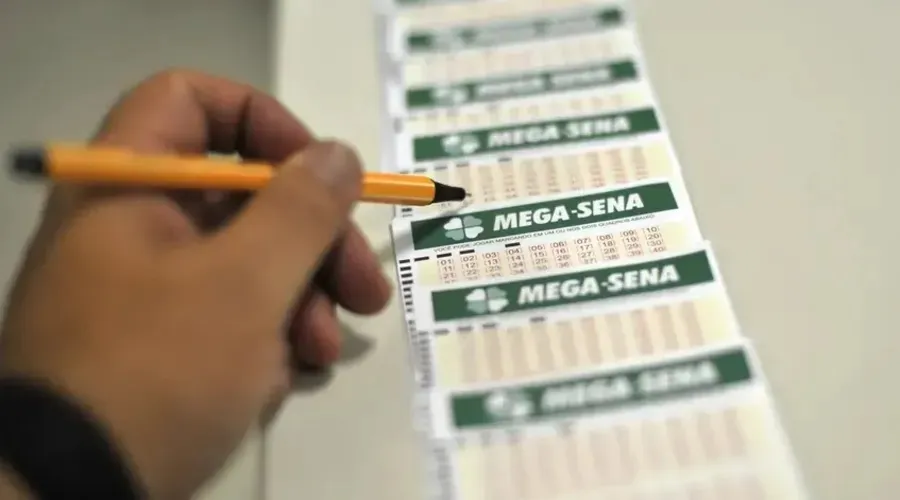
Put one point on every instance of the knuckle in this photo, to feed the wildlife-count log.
(313, 204)
(173, 77)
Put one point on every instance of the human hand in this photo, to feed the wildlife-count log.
(168, 319)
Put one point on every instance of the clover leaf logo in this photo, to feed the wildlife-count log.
(509, 405)
(449, 40)
(464, 144)
(481, 300)
(466, 228)
(450, 96)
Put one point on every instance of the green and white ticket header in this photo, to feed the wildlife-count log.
(575, 22)
(600, 392)
(581, 129)
(526, 85)
(573, 212)
(554, 290)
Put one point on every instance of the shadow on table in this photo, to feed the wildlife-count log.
(356, 346)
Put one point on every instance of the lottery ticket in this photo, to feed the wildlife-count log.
(452, 100)
(541, 108)
(539, 24)
(522, 58)
(674, 273)
(547, 233)
(696, 427)
(438, 13)
(605, 128)
(555, 342)
(534, 174)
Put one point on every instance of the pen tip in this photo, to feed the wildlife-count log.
(29, 162)
(444, 193)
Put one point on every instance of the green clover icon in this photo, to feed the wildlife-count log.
(462, 228)
(509, 405)
(450, 96)
(481, 301)
(458, 145)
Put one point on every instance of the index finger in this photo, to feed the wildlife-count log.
(186, 112)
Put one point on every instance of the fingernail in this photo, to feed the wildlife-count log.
(336, 165)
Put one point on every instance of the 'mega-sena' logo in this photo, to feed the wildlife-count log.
(461, 144)
(508, 405)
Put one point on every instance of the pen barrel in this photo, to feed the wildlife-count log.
(82, 166)
(398, 189)
(117, 167)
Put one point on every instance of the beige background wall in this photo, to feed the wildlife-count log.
(783, 112)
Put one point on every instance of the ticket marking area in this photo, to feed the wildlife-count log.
(729, 450)
(551, 252)
(499, 140)
(547, 215)
(489, 181)
(493, 298)
(569, 106)
(441, 69)
(493, 33)
(527, 85)
(549, 346)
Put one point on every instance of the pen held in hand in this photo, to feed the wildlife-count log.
(117, 167)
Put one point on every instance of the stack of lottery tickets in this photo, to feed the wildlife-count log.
(569, 330)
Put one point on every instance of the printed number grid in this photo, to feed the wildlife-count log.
(513, 59)
(528, 176)
(706, 454)
(498, 353)
(458, 13)
(563, 106)
(562, 252)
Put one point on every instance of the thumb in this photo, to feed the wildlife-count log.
(284, 232)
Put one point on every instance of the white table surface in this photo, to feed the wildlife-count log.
(783, 113)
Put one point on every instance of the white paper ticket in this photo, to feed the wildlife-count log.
(553, 133)
(442, 13)
(530, 24)
(529, 56)
(545, 233)
(461, 101)
(450, 306)
(556, 342)
(544, 173)
(541, 108)
(715, 438)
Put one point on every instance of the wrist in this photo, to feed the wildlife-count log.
(11, 485)
(55, 448)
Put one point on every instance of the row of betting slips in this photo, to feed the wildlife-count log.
(569, 331)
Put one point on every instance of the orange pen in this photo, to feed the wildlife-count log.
(86, 165)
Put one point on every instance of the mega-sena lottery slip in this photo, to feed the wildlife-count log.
(570, 332)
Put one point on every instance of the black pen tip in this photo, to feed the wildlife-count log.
(444, 193)
(29, 162)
